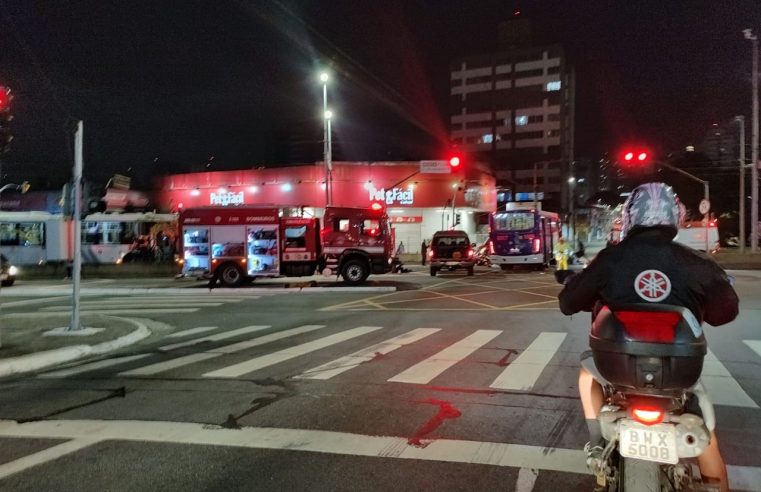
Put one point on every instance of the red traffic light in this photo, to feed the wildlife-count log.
(454, 162)
(631, 156)
(5, 99)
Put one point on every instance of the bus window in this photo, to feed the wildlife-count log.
(8, 234)
(31, 234)
(295, 237)
(514, 221)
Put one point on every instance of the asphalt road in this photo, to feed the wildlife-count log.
(453, 383)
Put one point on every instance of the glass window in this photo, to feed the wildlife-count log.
(341, 225)
(8, 235)
(91, 232)
(451, 241)
(31, 234)
(371, 227)
(514, 221)
(295, 237)
(112, 232)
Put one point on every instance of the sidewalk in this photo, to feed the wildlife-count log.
(28, 344)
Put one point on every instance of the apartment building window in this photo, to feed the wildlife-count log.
(477, 124)
(555, 69)
(478, 80)
(553, 117)
(553, 86)
(553, 133)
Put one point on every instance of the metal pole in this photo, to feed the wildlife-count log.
(330, 165)
(741, 121)
(754, 149)
(706, 217)
(76, 273)
(325, 123)
(535, 190)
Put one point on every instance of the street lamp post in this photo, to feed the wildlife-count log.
(754, 146)
(571, 218)
(327, 149)
(741, 121)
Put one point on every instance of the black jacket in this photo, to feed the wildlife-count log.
(647, 266)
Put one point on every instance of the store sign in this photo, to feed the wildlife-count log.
(396, 196)
(225, 199)
(406, 220)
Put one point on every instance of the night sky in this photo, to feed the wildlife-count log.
(164, 86)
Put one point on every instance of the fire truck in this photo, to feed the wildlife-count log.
(234, 245)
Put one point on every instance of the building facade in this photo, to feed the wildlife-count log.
(514, 109)
(419, 203)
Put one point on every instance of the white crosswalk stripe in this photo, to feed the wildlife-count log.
(192, 331)
(215, 338)
(338, 366)
(425, 371)
(722, 388)
(158, 304)
(211, 354)
(93, 366)
(290, 353)
(524, 371)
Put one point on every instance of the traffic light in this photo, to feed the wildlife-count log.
(636, 156)
(5, 119)
(454, 162)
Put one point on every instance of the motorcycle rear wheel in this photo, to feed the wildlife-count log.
(640, 476)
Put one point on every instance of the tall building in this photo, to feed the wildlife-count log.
(514, 109)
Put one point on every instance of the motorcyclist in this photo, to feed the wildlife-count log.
(651, 218)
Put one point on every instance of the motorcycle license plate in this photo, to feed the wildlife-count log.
(648, 442)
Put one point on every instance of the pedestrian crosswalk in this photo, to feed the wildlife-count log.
(416, 356)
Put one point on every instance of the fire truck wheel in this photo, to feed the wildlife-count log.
(231, 276)
(355, 272)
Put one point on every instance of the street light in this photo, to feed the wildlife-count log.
(741, 121)
(327, 149)
(754, 146)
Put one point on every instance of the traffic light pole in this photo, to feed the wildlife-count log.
(706, 191)
(741, 121)
(76, 272)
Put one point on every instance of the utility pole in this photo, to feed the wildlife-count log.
(76, 272)
(754, 146)
(741, 121)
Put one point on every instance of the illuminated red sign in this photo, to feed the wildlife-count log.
(405, 220)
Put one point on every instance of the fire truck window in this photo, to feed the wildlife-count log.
(371, 227)
(294, 237)
(341, 225)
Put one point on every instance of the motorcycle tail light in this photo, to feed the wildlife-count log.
(430, 253)
(537, 244)
(470, 253)
(647, 415)
(643, 326)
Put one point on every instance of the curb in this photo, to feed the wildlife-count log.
(57, 291)
(41, 360)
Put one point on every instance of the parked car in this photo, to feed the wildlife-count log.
(451, 250)
(8, 272)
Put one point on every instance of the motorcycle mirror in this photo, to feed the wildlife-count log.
(562, 275)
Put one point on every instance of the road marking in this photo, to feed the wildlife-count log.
(755, 345)
(105, 311)
(91, 366)
(338, 366)
(263, 361)
(88, 432)
(524, 371)
(215, 338)
(423, 372)
(34, 301)
(192, 331)
(526, 480)
(319, 441)
(49, 454)
(722, 388)
(213, 353)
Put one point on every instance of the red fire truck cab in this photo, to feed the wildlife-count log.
(233, 245)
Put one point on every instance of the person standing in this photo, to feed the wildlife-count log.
(423, 251)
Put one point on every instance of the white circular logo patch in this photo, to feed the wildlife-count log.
(652, 285)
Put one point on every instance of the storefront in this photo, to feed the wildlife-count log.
(418, 201)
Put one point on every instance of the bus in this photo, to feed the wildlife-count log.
(522, 235)
(38, 238)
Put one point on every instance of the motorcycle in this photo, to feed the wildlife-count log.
(656, 415)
